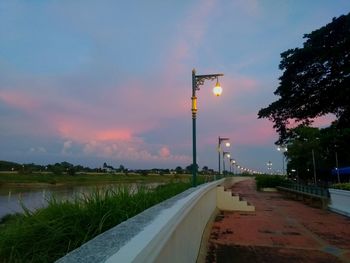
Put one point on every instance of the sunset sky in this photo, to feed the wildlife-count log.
(99, 81)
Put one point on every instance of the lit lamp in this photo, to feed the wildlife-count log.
(269, 166)
(232, 163)
(198, 80)
(217, 90)
(282, 149)
(227, 144)
(225, 154)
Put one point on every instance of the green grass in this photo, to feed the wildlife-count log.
(342, 186)
(264, 181)
(49, 233)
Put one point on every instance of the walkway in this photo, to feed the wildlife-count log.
(280, 230)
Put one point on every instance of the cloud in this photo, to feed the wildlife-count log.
(37, 150)
(67, 145)
(136, 150)
(164, 152)
(19, 99)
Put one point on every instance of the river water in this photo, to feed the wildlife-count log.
(12, 198)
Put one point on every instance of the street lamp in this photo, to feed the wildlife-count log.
(227, 144)
(232, 163)
(313, 159)
(198, 80)
(224, 154)
(336, 162)
(269, 166)
(282, 149)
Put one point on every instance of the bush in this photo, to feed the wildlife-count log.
(342, 186)
(264, 181)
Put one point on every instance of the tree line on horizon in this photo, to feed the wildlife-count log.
(71, 169)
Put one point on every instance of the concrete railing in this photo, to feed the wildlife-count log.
(168, 232)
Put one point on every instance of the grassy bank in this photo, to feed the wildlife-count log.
(84, 178)
(49, 233)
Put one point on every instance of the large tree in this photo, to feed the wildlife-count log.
(315, 79)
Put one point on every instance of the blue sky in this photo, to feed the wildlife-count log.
(110, 81)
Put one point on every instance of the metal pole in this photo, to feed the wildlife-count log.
(314, 163)
(336, 163)
(283, 172)
(219, 150)
(223, 163)
(194, 113)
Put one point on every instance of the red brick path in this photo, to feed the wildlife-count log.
(280, 230)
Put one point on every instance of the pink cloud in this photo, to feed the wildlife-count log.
(164, 152)
(113, 135)
(132, 150)
(19, 99)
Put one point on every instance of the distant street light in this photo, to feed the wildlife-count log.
(336, 163)
(198, 80)
(269, 166)
(227, 144)
(282, 149)
(225, 154)
(232, 163)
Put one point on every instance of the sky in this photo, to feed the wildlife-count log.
(100, 81)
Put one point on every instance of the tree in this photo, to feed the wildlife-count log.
(179, 170)
(328, 147)
(315, 79)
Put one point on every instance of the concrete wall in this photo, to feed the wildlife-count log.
(168, 232)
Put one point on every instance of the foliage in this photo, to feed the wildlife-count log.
(326, 146)
(316, 79)
(264, 181)
(343, 186)
(49, 233)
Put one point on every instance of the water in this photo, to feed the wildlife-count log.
(12, 199)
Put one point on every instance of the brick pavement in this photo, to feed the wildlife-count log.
(280, 230)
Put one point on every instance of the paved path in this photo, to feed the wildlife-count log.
(280, 230)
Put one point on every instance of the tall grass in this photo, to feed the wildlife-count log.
(49, 233)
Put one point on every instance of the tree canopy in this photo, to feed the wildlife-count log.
(315, 79)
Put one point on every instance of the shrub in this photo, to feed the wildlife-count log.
(342, 186)
(263, 181)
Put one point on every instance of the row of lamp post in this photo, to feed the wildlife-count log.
(197, 81)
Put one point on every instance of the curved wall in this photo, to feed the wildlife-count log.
(168, 232)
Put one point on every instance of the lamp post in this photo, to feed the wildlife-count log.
(313, 158)
(282, 149)
(224, 154)
(227, 144)
(269, 166)
(198, 80)
(232, 163)
(336, 163)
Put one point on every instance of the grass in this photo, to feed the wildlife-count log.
(264, 181)
(49, 233)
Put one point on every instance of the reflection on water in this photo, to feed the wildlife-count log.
(12, 199)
